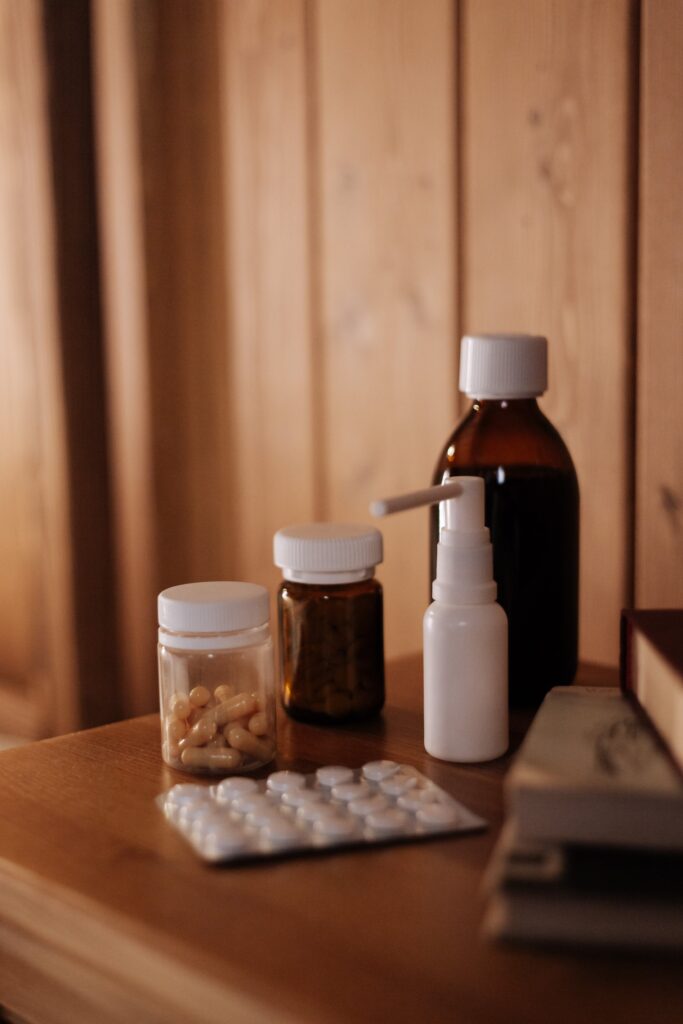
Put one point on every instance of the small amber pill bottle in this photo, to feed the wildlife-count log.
(330, 622)
(216, 677)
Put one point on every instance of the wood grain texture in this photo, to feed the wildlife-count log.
(162, 207)
(547, 197)
(270, 385)
(106, 913)
(66, 34)
(38, 663)
(659, 451)
(124, 290)
(385, 155)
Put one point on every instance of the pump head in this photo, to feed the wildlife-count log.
(464, 557)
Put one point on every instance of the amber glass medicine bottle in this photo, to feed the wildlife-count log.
(532, 506)
(330, 622)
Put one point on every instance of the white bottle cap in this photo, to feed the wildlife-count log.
(327, 552)
(503, 365)
(214, 607)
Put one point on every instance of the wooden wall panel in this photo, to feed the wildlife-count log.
(124, 291)
(384, 160)
(66, 33)
(161, 191)
(270, 385)
(38, 667)
(547, 204)
(659, 448)
(203, 150)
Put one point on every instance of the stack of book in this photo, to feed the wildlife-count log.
(592, 849)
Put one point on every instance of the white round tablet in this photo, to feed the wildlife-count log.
(280, 782)
(437, 815)
(223, 843)
(188, 814)
(183, 793)
(309, 813)
(368, 805)
(333, 775)
(227, 790)
(299, 797)
(335, 828)
(350, 791)
(250, 803)
(414, 799)
(203, 823)
(263, 816)
(375, 771)
(398, 784)
(280, 834)
(388, 822)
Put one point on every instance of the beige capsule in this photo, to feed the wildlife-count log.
(197, 714)
(199, 734)
(242, 739)
(217, 742)
(170, 751)
(179, 705)
(210, 757)
(237, 707)
(199, 696)
(258, 724)
(224, 692)
(175, 729)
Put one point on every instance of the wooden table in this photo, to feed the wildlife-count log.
(106, 915)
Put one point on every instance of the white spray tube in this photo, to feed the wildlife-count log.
(465, 630)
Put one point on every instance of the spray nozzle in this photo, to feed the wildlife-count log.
(463, 500)
(464, 567)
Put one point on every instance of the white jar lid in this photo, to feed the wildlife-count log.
(323, 548)
(503, 365)
(213, 607)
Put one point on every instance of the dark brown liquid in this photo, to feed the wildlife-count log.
(532, 511)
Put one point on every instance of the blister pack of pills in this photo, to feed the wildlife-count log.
(288, 812)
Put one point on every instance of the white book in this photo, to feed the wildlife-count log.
(591, 771)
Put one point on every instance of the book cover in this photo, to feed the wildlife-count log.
(583, 895)
(624, 872)
(591, 771)
(652, 671)
(587, 920)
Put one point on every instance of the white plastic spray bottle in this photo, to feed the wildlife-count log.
(465, 630)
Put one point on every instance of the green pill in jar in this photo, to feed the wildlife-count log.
(330, 617)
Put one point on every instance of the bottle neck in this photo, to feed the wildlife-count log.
(526, 408)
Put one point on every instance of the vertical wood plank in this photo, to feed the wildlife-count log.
(385, 228)
(163, 257)
(271, 384)
(38, 666)
(546, 243)
(659, 446)
(66, 33)
(127, 357)
(178, 51)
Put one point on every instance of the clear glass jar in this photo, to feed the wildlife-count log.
(216, 677)
(330, 616)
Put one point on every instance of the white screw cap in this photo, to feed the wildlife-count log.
(327, 547)
(213, 607)
(503, 365)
